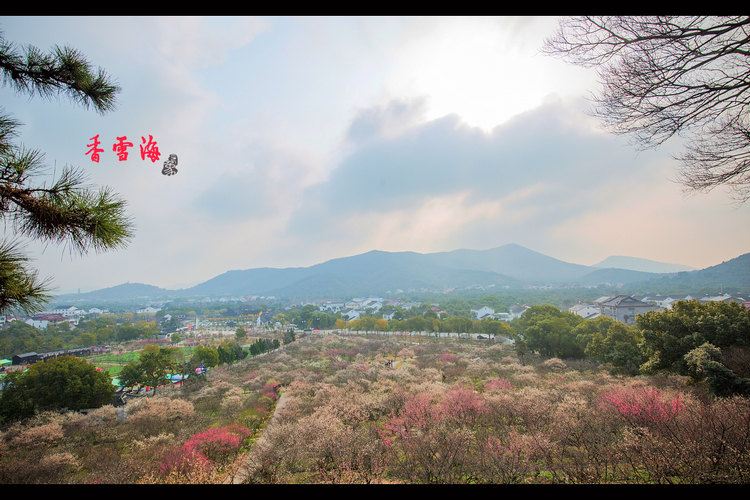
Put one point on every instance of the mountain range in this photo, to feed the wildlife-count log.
(644, 265)
(378, 272)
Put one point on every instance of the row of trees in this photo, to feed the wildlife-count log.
(19, 337)
(425, 324)
(688, 339)
(263, 345)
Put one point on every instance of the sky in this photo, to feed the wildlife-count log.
(305, 139)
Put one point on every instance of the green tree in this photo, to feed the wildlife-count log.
(206, 355)
(704, 363)
(585, 330)
(549, 331)
(456, 324)
(617, 344)
(64, 210)
(19, 337)
(289, 336)
(521, 348)
(152, 367)
(669, 335)
(131, 375)
(229, 352)
(240, 334)
(262, 345)
(61, 383)
(15, 401)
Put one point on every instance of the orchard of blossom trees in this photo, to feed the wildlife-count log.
(335, 409)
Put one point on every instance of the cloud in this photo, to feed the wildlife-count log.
(198, 42)
(262, 180)
(549, 179)
(552, 146)
(303, 141)
(386, 121)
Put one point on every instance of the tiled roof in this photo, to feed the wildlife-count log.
(623, 300)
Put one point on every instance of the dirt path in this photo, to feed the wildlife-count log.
(240, 475)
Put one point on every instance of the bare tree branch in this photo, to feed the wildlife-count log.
(672, 75)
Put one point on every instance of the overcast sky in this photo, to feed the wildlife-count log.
(302, 140)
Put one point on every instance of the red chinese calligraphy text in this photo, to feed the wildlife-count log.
(121, 148)
(149, 149)
(95, 150)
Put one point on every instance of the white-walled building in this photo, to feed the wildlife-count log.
(586, 311)
(625, 308)
(516, 311)
(483, 312)
(149, 310)
(39, 324)
(353, 315)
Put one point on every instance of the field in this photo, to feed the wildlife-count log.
(113, 363)
(330, 409)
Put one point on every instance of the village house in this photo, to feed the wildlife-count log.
(351, 315)
(516, 311)
(726, 298)
(502, 316)
(149, 310)
(484, 312)
(39, 324)
(586, 311)
(25, 358)
(625, 308)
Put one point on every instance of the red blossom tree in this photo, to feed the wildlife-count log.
(498, 384)
(643, 405)
(202, 449)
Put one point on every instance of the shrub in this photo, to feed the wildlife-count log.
(40, 435)
(66, 382)
(498, 384)
(643, 405)
(448, 357)
(59, 463)
(554, 364)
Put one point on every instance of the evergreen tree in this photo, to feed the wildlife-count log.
(63, 210)
(61, 383)
(240, 334)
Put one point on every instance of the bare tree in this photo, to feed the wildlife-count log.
(672, 75)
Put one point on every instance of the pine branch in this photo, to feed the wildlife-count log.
(8, 128)
(68, 212)
(20, 288)
(62, 71)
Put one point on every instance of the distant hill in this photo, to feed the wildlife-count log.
(615, 277)
(119, 292)
(732, 276)
(377, 273)
(515, 261)
(643, 265)
(373, 272)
